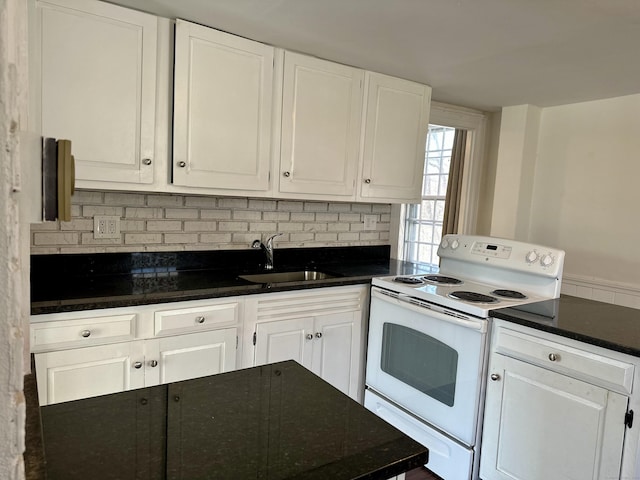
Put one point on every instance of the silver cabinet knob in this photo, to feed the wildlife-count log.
(153, 363)
(200, 319)
(367, 180)
(286, 174)
(137, 365)
(309, 336)
(146, 161)
(182, 164)
(495, 377)
(553, 357)
(85, 333)
(318, 334)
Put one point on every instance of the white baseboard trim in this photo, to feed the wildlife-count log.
(602, 290)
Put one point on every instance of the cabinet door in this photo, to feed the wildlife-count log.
(321, 110)
(182, 357)
(394, 136)
(336, 353)
(540, 424)
(222, 110)
(87, 372)
(285, 340)
(97, 65)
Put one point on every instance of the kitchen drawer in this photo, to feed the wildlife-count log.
(82, 332)
(575, 362)
(193, 319)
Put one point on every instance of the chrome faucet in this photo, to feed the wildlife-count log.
(267, 249)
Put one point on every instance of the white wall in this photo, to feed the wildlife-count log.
(585, 194)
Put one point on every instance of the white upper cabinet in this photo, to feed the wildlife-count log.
(222, 110)
(396, 120)
(96, 66)
(321, 114)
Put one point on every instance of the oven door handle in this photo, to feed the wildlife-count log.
(405, 301)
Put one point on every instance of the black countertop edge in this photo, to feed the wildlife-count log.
(601, 324)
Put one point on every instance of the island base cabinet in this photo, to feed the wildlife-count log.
(542, 424)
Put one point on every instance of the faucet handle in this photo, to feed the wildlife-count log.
(256, 243)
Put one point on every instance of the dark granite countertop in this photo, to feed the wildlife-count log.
(597, 323)
(277, 421)
(62, 283)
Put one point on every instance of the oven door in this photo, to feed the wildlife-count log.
(427, 361)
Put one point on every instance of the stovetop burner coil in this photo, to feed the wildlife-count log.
(408, 280)
(509, 294)
(442, 279)
(473, 297)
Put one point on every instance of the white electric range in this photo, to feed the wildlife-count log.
(427, 345)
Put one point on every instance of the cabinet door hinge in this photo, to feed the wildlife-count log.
(255, 337)
(628, 418)
(237, 341)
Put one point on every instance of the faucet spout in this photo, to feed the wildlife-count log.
(268, 251)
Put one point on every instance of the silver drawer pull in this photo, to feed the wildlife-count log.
(153, 363)
(147, 161)
(309, 336)
(137, 365)
(199, 319)
(495, 377)
(553, 357)
(318, 334)
(85, 333)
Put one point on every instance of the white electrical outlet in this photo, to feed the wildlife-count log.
(106, 226)
(370, 222)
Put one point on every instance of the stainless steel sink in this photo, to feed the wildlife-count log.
(282, 277)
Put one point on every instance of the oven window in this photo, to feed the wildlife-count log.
(420, 361)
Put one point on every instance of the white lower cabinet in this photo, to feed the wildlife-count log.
(322, 329)
(88, 372)
(545, 419)
(84, 354)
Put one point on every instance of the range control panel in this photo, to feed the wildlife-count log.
(502, 253)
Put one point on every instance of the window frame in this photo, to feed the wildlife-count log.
(475, 122)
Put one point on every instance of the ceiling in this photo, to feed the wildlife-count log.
(483, 54)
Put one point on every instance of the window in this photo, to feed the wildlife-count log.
(423, 221)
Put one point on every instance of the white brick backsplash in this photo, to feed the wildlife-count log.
(144, 212)
(200, 226)
(202, 202)
(233, 226)
(164, 226)
(246, 215)
(263, 226)
(165, 200)
(233, 202)
(183, 238)
(303, 217)
(290, 206)
(92, 210)
(262, 205)
(184, 213)
(316, 206)
(163, 222)
(349, 217)
(215, 214)
(215, 238)
(55, 238)
(125, 199)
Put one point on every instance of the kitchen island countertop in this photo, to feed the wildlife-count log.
(273, 422)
